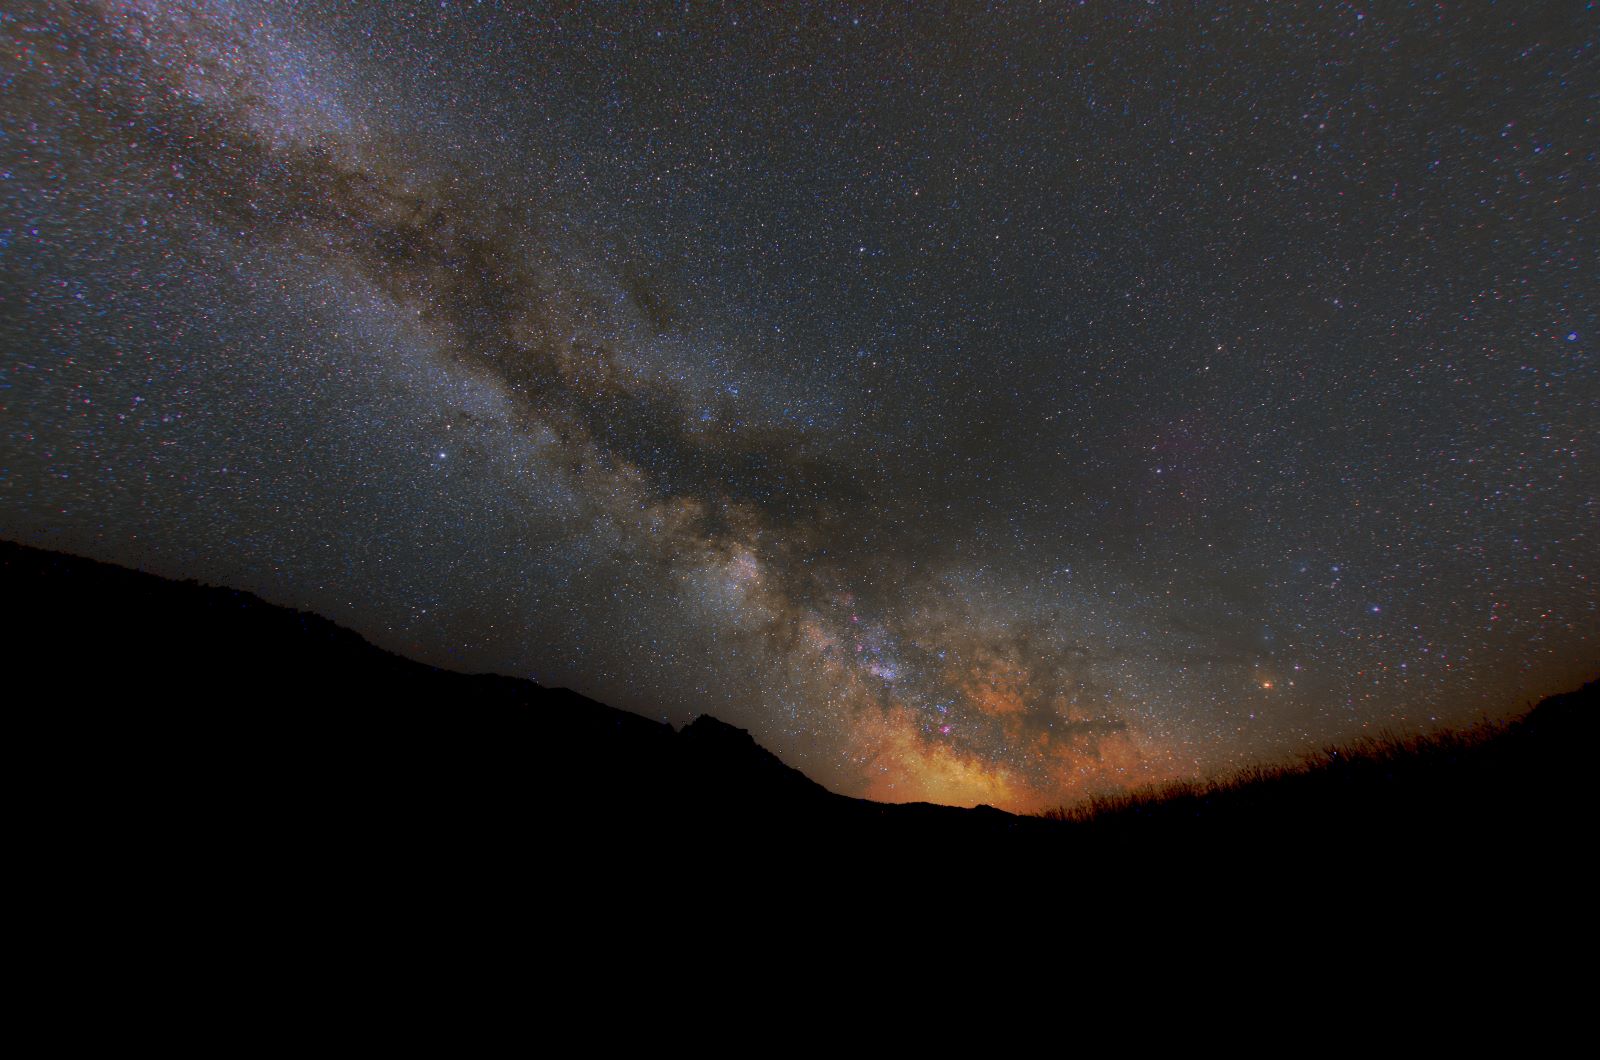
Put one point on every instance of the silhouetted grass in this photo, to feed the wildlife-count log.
(1527, 780)
(1382, 759)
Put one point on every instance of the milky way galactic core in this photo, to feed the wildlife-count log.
(979, 403)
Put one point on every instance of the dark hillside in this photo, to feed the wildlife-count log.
(166, 716)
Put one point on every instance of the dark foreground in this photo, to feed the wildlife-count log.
(171, 724)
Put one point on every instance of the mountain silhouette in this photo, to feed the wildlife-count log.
(169, 718)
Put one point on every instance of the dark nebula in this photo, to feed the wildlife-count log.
(988, 403)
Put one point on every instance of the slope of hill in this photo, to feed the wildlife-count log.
(1525, 784)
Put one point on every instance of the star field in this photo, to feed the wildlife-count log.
(980, 403)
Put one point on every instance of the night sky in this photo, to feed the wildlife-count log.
(979, 403)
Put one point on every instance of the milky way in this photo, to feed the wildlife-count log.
(980, 404)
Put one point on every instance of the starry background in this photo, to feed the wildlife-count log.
(980, 403)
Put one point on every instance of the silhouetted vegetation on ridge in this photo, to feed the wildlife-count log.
(1528, 776)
